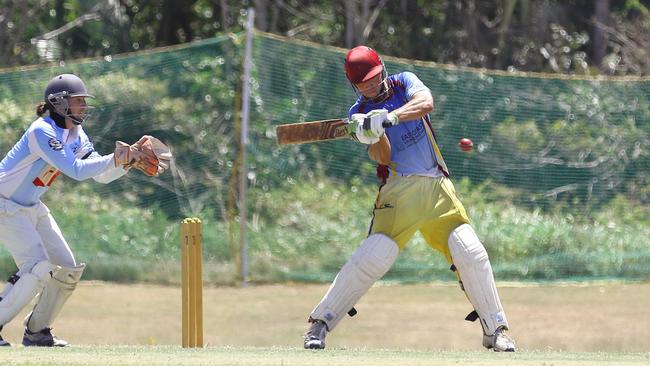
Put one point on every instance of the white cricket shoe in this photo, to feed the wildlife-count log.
(315, 336)
(499, 341)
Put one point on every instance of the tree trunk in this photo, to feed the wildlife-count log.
(176, 17)
(600, 19)
(5, 42)
(60, 10)
(351, 16)
(357, 16)
(524, 11)
(225, 19)
(261, 12)
(275, 17)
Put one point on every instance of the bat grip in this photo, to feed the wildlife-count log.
(366, 123)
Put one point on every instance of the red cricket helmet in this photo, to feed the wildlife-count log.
(363, 63)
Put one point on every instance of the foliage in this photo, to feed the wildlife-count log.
(581, 36)
(553, 158)
(298, 233)
(13, 122)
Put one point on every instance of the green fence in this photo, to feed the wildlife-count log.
(557, 187)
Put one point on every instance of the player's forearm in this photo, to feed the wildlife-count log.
(85, 169)
(416, 108)
(380, 151)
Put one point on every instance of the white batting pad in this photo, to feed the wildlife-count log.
(372, 259)
(473, 265)
(54, 295)
(24, 290)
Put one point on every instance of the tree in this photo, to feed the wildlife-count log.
(176, 18)
(600, 21)
(576, 36)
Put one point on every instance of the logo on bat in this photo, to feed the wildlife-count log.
(314, 131)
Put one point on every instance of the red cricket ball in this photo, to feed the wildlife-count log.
(466, 144)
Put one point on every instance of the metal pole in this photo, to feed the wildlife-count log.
(243, 182)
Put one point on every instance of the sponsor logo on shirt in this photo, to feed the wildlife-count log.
(46, 177)
(413, 136)
(55, 144)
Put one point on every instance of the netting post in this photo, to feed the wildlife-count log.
(243, 172)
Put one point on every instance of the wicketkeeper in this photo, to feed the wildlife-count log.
(52, 145)
(391, 116)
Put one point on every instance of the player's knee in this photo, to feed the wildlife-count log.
(375, 255)
(42, 269)
(69, 276)
(465, 246)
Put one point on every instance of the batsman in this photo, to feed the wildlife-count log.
(54, 143)
(391, 117)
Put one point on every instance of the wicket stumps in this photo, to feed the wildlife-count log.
(192, 283)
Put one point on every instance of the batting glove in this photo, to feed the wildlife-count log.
(374, 123)
(356, 129)
(392, 118)
(380, 116)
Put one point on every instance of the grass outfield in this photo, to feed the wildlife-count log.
(171, 355)
(108, 324)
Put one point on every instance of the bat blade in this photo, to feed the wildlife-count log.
(314, 131)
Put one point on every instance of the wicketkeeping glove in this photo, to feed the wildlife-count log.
(154, 156)
(149, 155)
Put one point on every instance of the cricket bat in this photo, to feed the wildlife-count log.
(314, 131)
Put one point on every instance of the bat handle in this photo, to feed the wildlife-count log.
(366, 123)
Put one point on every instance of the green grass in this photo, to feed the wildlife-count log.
(109, 324)
(243, 356)
(425, 317)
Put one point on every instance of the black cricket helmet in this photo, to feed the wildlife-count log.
(62, 87)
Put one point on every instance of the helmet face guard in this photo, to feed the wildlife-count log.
(58, 93)
(362, 64)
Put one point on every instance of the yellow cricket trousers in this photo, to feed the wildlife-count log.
(407, 204)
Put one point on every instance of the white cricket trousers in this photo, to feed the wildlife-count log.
(31, 235)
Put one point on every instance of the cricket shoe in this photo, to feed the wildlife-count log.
(43, 338)
(315, 336)
(499, 341)
(3, 343)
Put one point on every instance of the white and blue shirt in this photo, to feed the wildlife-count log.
(43, 152)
